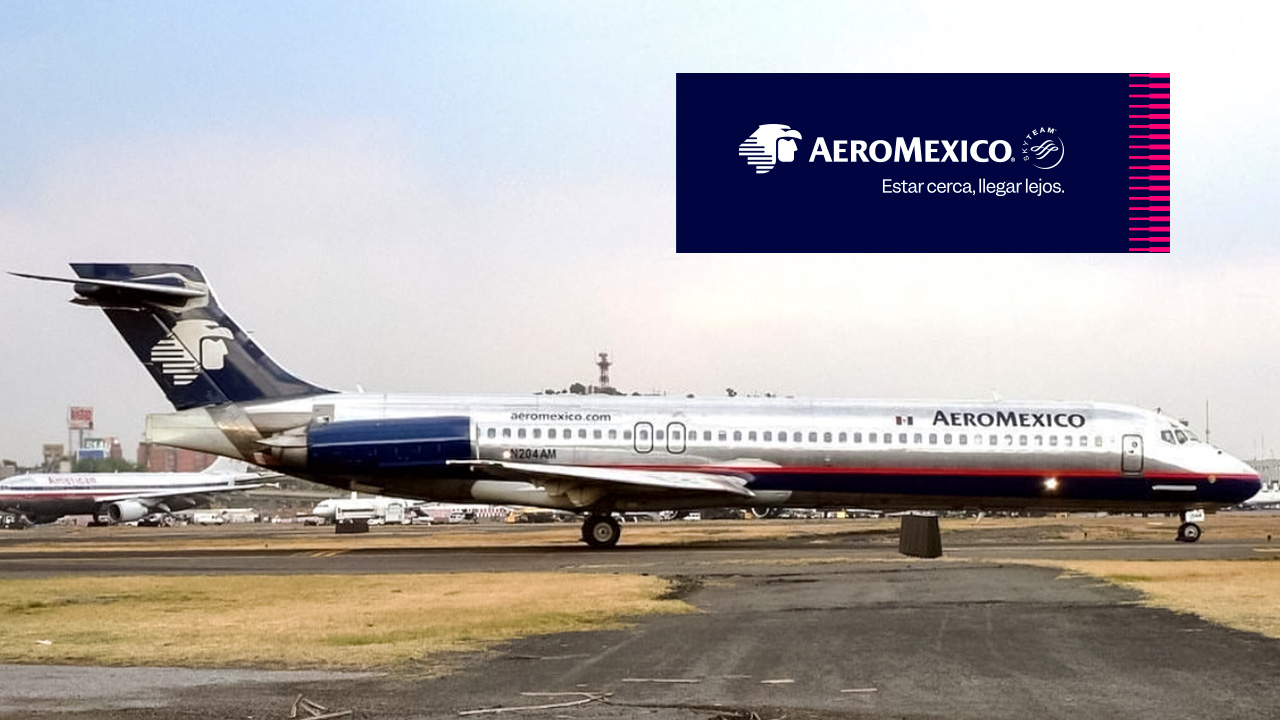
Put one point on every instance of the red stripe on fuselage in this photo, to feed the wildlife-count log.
(982, 472)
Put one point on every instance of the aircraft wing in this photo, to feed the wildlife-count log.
(177, 492)
(565, 479)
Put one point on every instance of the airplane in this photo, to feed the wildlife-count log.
(598, 455)
(1267, 497)
(388, 509)
(120, 497)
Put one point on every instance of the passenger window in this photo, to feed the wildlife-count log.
(1008, 440)
(946, 438)
(902, 438)
(644, 434)
(871, 437)
(813, 437)
(826, 437)
(1039, 441)
(993, 440)
(551, 434)
(933, 438)
(723, 436)
(843, 437)
(613, 435)
(1067, 441)
(768, 435)
(964, 439)
(795, 437)
(706, 436)
(857, 437)
(977, 439)
(568, 434)
(492, 432)
(1084, 441)
(659, 435)
(675, 434)
(1053, 441)
(596, 434)
(626, 434)
(520, 433)
(918, 438)
(582, 433)
(782, 436)
(1097, 441)
(888, 438)
(751, 436)
(737, 436)
(506, 432)
(1022, 440)
(537, 433)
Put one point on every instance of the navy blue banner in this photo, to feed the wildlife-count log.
(922, 163)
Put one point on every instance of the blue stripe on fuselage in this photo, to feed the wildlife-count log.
(388, 446)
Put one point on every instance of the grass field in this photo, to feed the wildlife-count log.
(1243, 594)
(410, 622)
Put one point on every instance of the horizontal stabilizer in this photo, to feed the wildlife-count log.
(158, 288)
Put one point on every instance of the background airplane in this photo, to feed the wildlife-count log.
(1267, 497)
(600, 455)
(123, 497)
(390, 510)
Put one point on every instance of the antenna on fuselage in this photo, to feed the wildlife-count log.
(1206, 419)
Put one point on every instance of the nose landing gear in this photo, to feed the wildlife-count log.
(1189, 530)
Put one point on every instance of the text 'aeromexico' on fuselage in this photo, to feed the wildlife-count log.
(599, 454)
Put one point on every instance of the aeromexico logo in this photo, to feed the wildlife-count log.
(768, 146)
(1010, 418)
(775, 143)
(191, 347)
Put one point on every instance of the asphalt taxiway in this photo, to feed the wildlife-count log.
(817, 627)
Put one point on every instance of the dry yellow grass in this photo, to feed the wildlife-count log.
(348, 621)
(1236, 593)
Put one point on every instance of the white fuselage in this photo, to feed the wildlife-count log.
(799, 452)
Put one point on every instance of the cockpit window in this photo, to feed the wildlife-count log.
(1167, 436)
(1182, 437)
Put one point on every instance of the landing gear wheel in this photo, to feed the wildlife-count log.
(1188, 532)
(601, 531)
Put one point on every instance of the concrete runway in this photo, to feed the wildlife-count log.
(807, 628)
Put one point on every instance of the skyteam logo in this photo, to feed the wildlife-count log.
(1043, 148)
(192, 346)
(768, 146)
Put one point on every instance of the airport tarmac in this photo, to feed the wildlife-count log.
(810, 627)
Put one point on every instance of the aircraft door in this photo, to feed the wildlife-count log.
(1131, 453)
(644, 437)
(675, 437)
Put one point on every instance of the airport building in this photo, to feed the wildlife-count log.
(158, 458)
(1269, 469)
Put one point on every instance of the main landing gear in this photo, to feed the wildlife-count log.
(601, 531)
(1189, 530)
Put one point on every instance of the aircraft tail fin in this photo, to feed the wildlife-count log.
(194, 351)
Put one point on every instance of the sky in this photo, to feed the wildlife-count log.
(477, 197)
